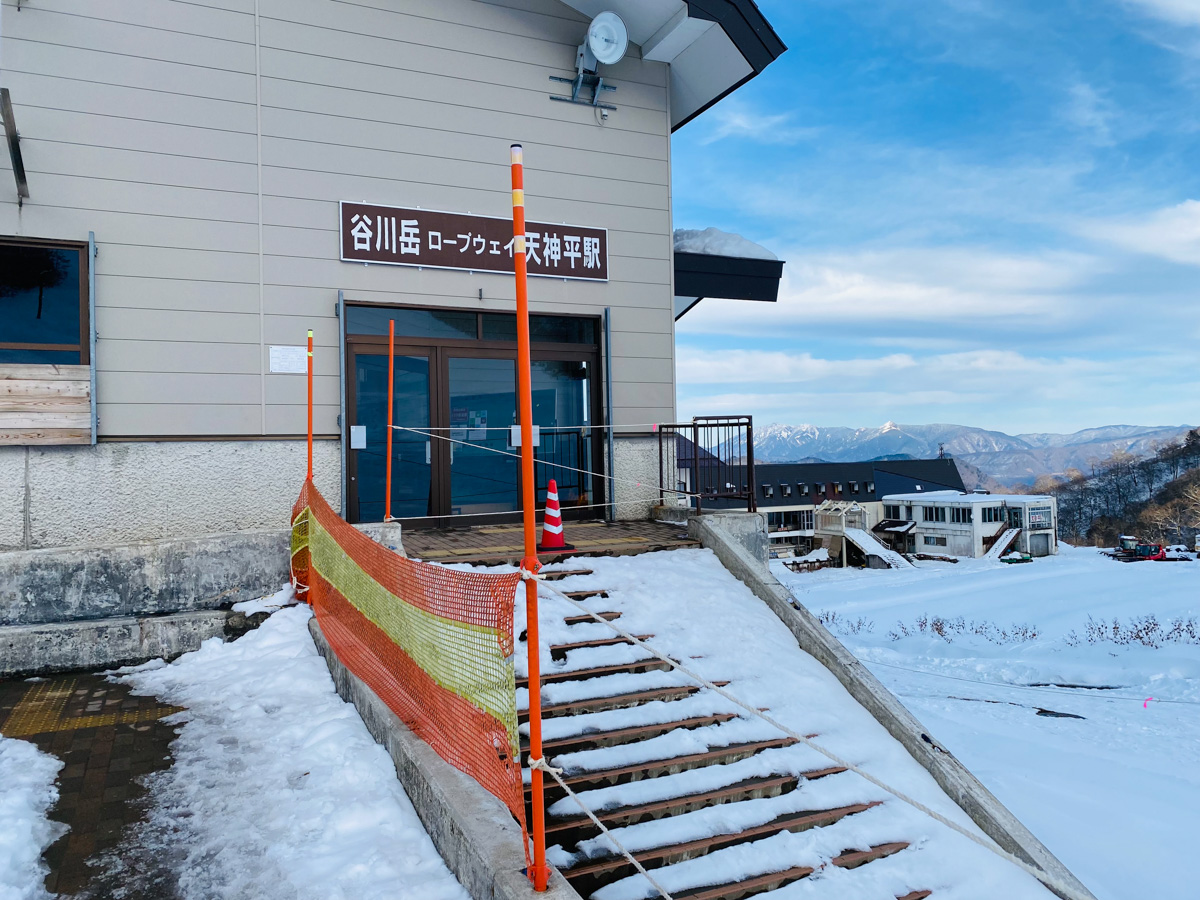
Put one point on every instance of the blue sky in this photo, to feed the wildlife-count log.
(990, 212)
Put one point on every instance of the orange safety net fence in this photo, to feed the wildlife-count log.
(435, 644)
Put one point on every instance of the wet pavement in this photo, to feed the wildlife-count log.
(108, 740)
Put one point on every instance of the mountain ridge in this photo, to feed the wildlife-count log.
(1008, 458)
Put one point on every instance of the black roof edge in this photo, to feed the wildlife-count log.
(749, 31)
(728, 277)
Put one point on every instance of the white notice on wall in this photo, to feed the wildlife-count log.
(289, 360)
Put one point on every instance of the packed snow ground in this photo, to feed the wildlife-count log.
(699, 612)
(277, 790)
(27, 793)
(1116, 794)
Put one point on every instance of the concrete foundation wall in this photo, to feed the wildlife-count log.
(726, 536)
(472, 830)
(106, 643)
(636, 468)
(122, 492)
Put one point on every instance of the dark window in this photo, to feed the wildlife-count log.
(424, 323)
(803, 488)
(768, 490)
(933, 513)
(854, 487)
(837, 487)
(542, 329)
(870, 487)
(43, 302)
(960, 514)
(891, 512)
(931, 541)
(786, 490)
(820, 488)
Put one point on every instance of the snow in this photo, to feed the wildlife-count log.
(821, 554)
(285, 596)
(1114, 795)
(715, 242)
(869, 545)
(277, 790)
(27, 792)
(698, 612)
(1002, 543)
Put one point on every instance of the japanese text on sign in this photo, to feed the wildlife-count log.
(420, 237)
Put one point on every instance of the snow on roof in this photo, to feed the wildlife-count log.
(959, 495)
(714, 242)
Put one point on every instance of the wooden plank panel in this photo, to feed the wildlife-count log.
(43, 389)
(29, 404)
(46, 437)
(26, 372)
(41, 420)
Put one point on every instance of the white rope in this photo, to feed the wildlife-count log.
(650, 498)
(1059, 887)
(542, 462)
(554, 429)
(554, 773)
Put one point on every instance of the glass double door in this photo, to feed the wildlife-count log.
(452, 413)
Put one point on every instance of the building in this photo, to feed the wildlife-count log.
(955, 523)
(790, 493)
(189, 188)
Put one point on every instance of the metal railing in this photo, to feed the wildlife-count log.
(708, 460)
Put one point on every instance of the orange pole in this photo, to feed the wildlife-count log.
(540, 874)
(310, 404)
(387, 499)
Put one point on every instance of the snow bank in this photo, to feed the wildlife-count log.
(277, 789)
(1113, 795)
(715, 242)
(27, 792)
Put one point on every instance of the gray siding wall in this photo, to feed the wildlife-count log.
(210, 170)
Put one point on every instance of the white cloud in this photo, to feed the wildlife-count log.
(1172, 233)
(939, 287)
(734, 118)
(1087, 109)
(1182, 12)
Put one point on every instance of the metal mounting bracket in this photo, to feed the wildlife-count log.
(580, 81)
(14, 146)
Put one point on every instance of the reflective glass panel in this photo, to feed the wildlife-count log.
(425, 323)
(483, 406)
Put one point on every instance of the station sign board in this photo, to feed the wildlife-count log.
(402, 236)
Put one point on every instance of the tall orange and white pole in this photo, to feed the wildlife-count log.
(540, 874)
(310, 403)
(387, 498)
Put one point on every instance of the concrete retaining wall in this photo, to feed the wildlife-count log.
(729, 537)
(473, 831)
(106, 643)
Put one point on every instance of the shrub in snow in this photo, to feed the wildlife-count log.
(1144, 630)
(948, 629)
(835, 621)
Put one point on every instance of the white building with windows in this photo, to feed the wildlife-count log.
(954, 523)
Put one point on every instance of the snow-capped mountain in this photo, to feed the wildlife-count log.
(1008, 458)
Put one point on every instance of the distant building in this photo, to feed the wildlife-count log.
(955, 523)
(789, 493)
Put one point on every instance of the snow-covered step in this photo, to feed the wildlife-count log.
(582, 619)
(591, 739)
(619, 700)
(868, 545)
(568, 830)
(1002, 543)
(560, 651)
(591, 874)
(596, 778)
(649, 664)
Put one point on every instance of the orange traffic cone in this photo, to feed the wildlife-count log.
(552, 529)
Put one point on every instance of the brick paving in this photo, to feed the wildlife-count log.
(494, 544)
(106, 739)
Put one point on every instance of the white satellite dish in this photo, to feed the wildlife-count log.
(607, 38)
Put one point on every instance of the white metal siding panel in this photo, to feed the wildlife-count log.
(139, 123)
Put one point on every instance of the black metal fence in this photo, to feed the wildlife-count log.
(708, 460)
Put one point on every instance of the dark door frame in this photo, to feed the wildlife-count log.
(439, 351)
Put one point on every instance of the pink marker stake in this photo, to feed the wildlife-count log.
(1146, 705)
